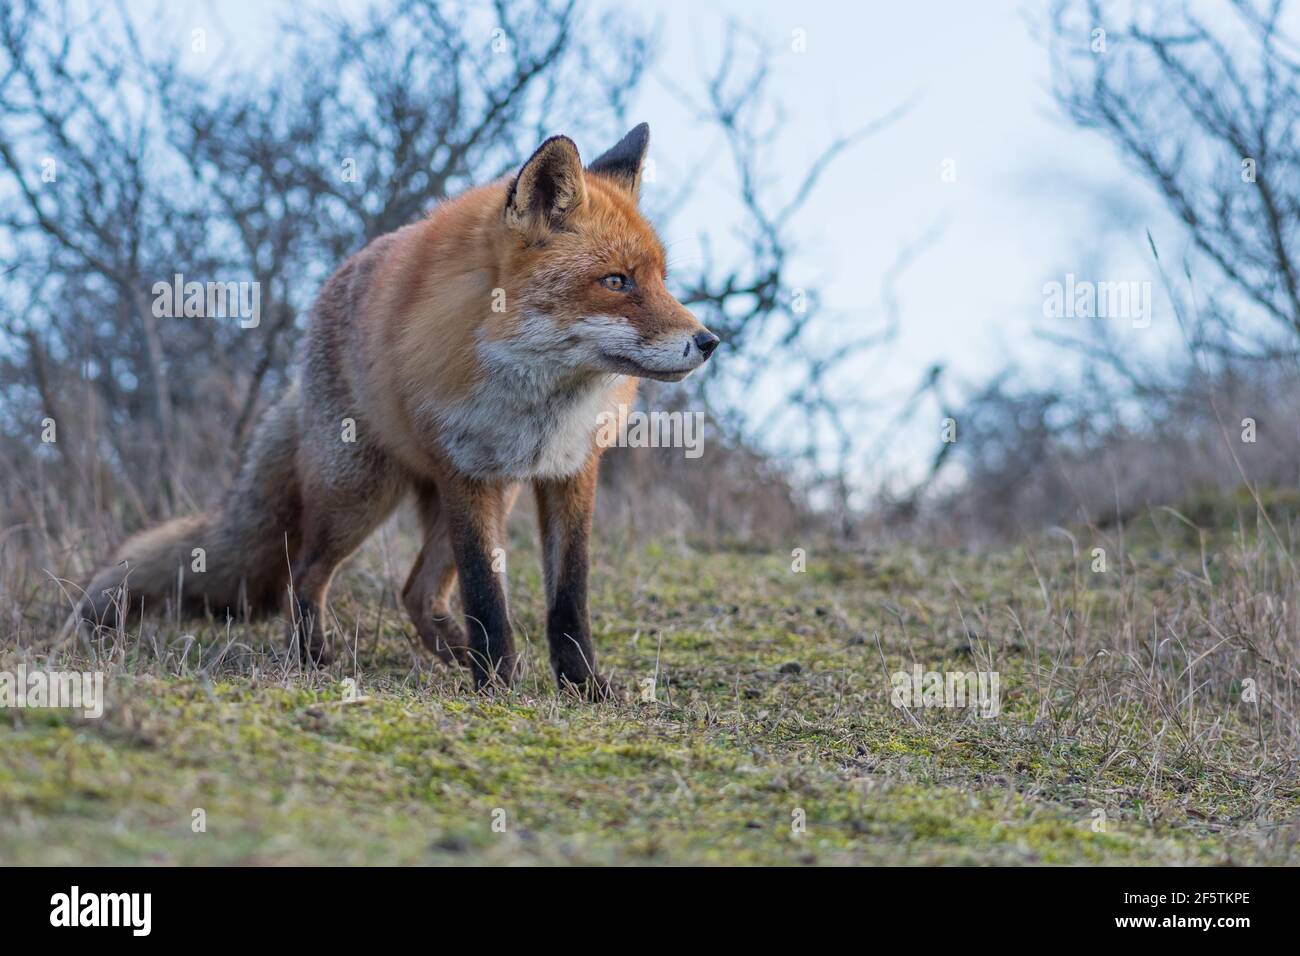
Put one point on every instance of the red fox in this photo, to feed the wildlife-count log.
(457, 358)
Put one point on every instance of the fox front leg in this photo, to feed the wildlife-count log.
(475, 518)
(564, 511)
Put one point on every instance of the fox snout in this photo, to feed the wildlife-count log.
(699, 345)
(667, 354)
(678, 342)
(671, 356)
(706, 342)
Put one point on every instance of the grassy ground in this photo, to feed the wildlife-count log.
(1126, 734)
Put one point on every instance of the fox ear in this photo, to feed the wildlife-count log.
(623, 162)
(549, 187)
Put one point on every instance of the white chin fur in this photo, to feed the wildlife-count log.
(535, 413)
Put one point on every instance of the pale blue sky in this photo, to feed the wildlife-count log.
(1025, 207)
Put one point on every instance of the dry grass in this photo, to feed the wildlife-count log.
(1123, 706)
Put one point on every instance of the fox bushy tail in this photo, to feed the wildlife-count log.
(246, 543)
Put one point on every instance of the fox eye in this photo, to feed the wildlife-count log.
(615, 282)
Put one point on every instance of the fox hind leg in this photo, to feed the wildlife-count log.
(476, 513)
(427, 594)
(334, 524)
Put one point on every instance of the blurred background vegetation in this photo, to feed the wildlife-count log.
(159, 169)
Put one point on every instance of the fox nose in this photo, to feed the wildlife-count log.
(706, 342)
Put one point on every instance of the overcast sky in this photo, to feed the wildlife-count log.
(1025, 208)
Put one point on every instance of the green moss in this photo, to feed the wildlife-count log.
(773, 708)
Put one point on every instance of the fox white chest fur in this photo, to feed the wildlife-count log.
(532, 416)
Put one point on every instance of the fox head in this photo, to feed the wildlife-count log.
(588, 271)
